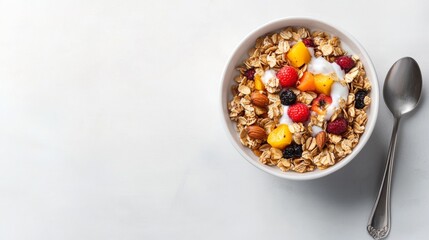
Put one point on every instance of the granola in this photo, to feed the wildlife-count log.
(332, 85)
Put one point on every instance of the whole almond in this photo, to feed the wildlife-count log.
(256, 132)
(321, 140)
(259, 99)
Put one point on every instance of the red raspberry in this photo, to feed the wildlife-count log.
(298, 112)
(346, 63)
(287, 76)
(338, 126)
(250, 73)
(308, 42)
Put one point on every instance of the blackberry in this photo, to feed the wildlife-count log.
(250, 74)
(292, 151)
(359, 99)
(287, 97)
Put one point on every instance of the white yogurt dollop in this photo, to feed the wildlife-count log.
(340, 73)
(338, 91)
(269, 74)
(319, 65)
(285, 119)
(315, 129)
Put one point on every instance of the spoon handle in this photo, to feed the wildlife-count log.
(379, 221)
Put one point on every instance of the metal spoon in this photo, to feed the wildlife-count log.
(402, 90)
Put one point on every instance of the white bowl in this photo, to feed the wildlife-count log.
(349, 43)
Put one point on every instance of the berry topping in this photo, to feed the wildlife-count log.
(308, 42)
(292, 151)
(298, 112)
(250, 73)
(320, 104)
(338, 126)
(346, 63)
(287, 76)
(287, 97)
(359, 99)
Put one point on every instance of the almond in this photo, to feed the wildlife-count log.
(259, 99)
(256, 132)
(321, 140)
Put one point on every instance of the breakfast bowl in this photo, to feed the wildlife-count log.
(299, 98)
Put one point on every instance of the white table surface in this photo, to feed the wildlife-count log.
(109, 125)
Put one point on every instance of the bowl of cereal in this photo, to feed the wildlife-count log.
(299, 98)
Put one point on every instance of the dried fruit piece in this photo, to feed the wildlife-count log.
(259, 85)
(320, 104)
(338, 126)
(298, 112)
(287, 97)
(308, 42)
(250, 73)
(280, 137)
(259, 99)
(323, 83)
(256, 132)
(321, 140)
(287, 76)
(299, 55)
(292, 151)
(346, 63)
(360, 99)
(306, 82)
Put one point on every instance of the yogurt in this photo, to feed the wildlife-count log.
(319, 65)
(269, 74)
(285, 119)
(315, 130)
(338, 91)
(340, 72)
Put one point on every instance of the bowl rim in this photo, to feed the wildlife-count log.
(369, 125)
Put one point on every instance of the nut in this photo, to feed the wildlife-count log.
(259, 99)
(321, 140)
(256, 132)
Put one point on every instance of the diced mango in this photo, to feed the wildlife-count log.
(280, 137)
(323, 83)
(259, 85)
(306, 82)
(298, 55)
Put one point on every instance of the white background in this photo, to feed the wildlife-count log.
(110, 127)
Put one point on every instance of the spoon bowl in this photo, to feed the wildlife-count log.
(403, 96)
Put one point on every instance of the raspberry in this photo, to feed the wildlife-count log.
(292, 151)
(287, 76)
(359, 99)
(287, 97)
(308, 42)
(250, 73)
(298, 112)
(346, 63)
(338, 126)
